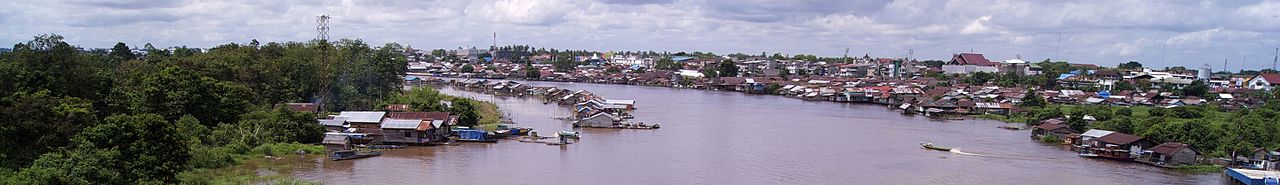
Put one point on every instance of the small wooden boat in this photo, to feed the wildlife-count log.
(1010, 127)
(931, 147)
(352, 154)
(386, 146)
(1087, 155)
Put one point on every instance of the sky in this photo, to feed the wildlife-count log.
(1104, 32)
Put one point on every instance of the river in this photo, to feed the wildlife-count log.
(716, 137)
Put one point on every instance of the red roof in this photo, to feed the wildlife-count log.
(971, 59)
(419, 115)
(1272, 78)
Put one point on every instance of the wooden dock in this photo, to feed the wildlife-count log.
(1251, 177)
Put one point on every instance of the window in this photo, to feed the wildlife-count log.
(408, 134)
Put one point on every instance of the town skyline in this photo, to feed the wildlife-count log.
(1198, 33)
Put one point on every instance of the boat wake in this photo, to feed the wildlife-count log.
(957, 151)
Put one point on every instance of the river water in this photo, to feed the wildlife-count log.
(716, 137)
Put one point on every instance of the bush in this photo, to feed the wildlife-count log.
(1051, 139)
(274, 149)
(212, 157)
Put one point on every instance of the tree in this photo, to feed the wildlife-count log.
(1130, 65)
(1032, 99)
(466, 111)
(1124, 111)
(468, 68)
(728, 68)
(531, 72)
(1197, 88)
(784, 73)
(121, 51)
(665, 63)
(125, 149)
(710, 72)
(1123, 85)
(37, 123)
(1076, 120)
(278, 125)
(420, 98)
(174, 92)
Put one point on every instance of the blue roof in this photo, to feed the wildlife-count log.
(1065, 76)
(680, 58)
(407, 78)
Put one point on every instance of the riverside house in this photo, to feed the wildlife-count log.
(1052, 129)
(365, 121)
(1172, 154)
(416, 127)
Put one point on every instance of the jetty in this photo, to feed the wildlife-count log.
(1253, 177)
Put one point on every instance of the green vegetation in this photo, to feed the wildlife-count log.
(113, 117)
(1199, 169)
(470, 112)
(1051, 140)
(1209, 129)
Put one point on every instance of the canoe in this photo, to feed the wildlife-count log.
(352, 154)
(1010, 127)
(931, 147)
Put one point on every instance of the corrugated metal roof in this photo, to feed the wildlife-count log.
(336, 121)
(400, 124)
(363, 116)
(1095, 133)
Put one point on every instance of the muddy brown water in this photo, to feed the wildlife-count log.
(715, 137)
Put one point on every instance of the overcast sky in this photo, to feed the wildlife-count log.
(1106, 32)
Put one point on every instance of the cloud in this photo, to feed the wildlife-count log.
(1102, 32)
(525, 12)
(1209, 36)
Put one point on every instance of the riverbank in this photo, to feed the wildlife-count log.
(245, 165)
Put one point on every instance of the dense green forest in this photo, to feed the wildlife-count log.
(110, 116)
(1211, 129)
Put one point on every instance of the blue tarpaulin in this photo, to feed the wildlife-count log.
(472, 134)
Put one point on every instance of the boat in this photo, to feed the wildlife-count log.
(1010, 127)
(569, 134)
(352, 154)
(1087, 155)
(386, 146)
(932, 147)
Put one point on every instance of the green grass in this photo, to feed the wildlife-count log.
(1199, 169)
(489, 115)
(231, 162)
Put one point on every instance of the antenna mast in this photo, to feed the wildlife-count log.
(322, 27)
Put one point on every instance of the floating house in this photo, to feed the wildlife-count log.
(1172, 154)
(364, 121)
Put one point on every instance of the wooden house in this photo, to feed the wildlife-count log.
(1058, 130)
(1172, 154)
(416, 127)
(364, 121)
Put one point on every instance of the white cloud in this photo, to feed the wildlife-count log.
(977, 26)
(1090, 31)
